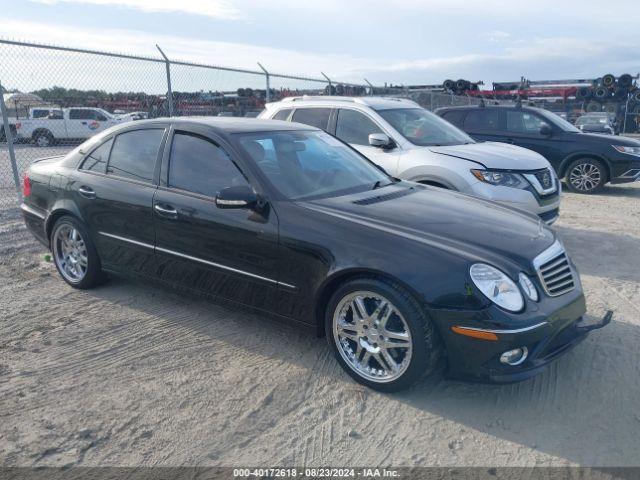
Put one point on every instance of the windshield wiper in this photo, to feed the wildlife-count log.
(378, 184)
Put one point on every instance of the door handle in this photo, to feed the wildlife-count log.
(84, 123)
(87, 192)
(166, 211)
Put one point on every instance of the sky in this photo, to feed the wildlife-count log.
(399, 42)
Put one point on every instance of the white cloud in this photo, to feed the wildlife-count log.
(495, 36)
(534, 58)
(220, 9)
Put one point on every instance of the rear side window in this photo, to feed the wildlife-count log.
(96, 161)
(482, 119)
(282, 114)
(198, 165)
(454, 117)
(354, 127)
(81, 114)
(316, 117)
(134, 154)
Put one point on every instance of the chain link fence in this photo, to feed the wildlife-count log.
(56, 97)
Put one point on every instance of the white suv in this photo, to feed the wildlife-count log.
(413, 144)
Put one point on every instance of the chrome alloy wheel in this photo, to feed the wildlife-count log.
(70, 253)
(585, 177)
(372, 336)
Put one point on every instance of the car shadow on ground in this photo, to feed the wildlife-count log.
(598, 253)
(583, 409)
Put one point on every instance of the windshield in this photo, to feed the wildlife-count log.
(313, 164)
(592, 121)
(558, 121)
(423, 128)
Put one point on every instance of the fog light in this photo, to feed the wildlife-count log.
(515, 356)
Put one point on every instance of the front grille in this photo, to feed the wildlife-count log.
(555, 273)
(543, 181)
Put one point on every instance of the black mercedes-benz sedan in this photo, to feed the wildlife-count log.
(290, 221)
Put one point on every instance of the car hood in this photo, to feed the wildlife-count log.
(617, 140)
(458, 223)
(501, 156)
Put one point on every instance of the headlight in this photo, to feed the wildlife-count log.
(497, 287)
(502, 179)
(628, 150)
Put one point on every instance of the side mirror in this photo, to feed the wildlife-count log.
(237, 197)
(546, 130)
(380, 140)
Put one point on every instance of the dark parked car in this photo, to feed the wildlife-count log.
(292, 222)
(595, 124)
(586, 161)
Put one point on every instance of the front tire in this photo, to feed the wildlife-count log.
(43, 139)
(586, 175)
(380, 335)
(75, 255)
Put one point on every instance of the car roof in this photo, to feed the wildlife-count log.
(473, 107)
(229, 124)
(377, 103)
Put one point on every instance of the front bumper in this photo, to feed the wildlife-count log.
(548, 332)
(552, 348)
(630, 175)
(547, 207)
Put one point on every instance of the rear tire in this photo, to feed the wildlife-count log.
(586, 175)
(74, 254)
(391, 345)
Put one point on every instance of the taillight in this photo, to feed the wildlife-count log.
(18, 126)
(26, 185)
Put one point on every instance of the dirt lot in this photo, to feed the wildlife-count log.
(133, 375)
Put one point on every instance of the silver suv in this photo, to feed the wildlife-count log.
(413, 144)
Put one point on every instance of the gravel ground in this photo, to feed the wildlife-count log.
(129, 374)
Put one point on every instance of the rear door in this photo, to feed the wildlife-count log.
(315, 116)
(484, 124)
(354, 127)
(114, 190)
(230, 253)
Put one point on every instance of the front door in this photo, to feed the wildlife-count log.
(85, 122)
(523, 129)
(354, 128)
(114, 190)
(229, 253)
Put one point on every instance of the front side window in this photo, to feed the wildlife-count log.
(316, 117)
(354, 127)
(282, 114)
(198, 165)
(424, 128)
(454, 117)
(482, 119)
(134, 154)
(524, 122)
(306, 165)
(96, 161)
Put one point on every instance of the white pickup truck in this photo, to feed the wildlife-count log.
(45, 126)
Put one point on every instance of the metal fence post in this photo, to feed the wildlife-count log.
(169, 92)
(328, 80)
(370, 86)
(266, 76)
(9, 139)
